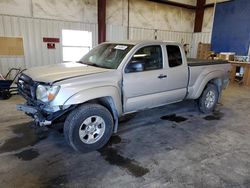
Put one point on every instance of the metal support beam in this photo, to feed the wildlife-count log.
(199, 14)
(128, 20)
(101, 21)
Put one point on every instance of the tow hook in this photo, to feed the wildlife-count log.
(41, 123)
(44, 123)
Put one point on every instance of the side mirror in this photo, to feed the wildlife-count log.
(135, 66)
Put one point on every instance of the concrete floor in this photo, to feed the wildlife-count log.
(172, 146)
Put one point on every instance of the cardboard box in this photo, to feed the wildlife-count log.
(203, 51)
(226, 56)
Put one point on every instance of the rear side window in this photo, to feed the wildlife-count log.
(174, 56)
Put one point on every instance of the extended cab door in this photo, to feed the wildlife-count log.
(177, 73)
(148, 80)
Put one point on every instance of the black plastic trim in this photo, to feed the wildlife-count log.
(200, 62)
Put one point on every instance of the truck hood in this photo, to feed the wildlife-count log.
(52, 73)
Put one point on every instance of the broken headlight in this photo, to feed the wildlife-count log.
(46, 93)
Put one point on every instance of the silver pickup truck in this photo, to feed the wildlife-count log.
(115, 79)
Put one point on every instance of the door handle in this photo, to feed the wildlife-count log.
(161, 76)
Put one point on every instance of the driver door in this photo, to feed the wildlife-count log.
(144, 80)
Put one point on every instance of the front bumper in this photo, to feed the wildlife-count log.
(34, 113)
(40, 117)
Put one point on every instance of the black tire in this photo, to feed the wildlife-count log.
(75, 121)
(212, 89)
(5, 94)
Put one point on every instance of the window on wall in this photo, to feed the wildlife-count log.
(75, 44)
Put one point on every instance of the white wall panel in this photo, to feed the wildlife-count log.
(116, 33)
(141, 34)
(215, 1)
(119, 33)
(188, 2)
(33, 30)
(36, 53)
(73, 10)
(183, 37)
(16, 7)
(199, 37)
(150, 15)
(208, 19)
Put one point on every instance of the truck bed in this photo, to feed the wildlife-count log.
(201, 62)
(200, 70)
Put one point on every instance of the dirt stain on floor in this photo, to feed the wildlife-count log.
(25, 136)
(215, 116)
(173, 117)
(58, 181)
(112, 156)
(27, 155)
(115, 139)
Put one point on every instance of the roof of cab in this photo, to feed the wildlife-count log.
(135, 42)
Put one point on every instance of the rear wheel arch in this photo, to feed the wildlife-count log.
(214, 77)
(218, 83)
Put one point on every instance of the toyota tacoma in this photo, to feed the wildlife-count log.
(115, 79)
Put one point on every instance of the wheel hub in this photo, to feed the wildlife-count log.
(210, 99)
(92, 129)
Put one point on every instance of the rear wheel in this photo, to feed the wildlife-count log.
(88, 127)
(208, 99)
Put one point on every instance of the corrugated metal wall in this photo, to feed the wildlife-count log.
(120, 33)
(36, 53)
(141, 34)
(116, 33)
(183, 37)
(199, 37)
(33, 30)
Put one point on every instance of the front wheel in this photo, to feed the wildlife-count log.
(208, 99)
(88, 127)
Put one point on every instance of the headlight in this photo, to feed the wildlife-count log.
(46, 93)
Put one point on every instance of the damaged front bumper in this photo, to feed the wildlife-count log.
(43, 118)
(34, 113)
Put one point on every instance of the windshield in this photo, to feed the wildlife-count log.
(106, 55)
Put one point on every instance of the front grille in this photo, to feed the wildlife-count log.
(26, 86)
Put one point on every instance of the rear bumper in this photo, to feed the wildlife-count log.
(34, 113)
